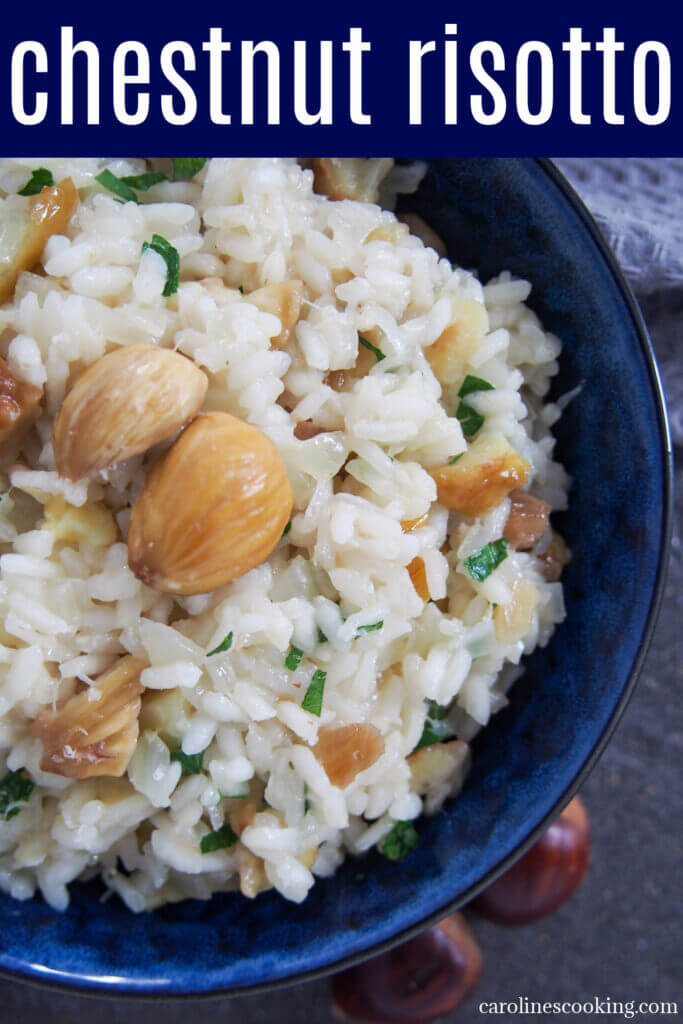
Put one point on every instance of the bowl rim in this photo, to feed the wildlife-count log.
(85, 987)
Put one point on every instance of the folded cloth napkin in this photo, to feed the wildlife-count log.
(638, 203)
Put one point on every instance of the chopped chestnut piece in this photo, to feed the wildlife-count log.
(482, 476)
(283, 300)
(555, 558)
(527, 521)
(46, 215)
(87, 737)
(336, 379)
(346, 750)
(306, 429)
(19, 403)
(418, 577)
(546, 876)
(425, 978)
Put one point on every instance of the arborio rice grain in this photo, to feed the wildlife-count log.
(380, 607)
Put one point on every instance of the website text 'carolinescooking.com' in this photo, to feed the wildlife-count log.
(629, 1009)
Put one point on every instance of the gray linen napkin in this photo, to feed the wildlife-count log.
(638, 203)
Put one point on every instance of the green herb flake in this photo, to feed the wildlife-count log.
(379, 355)
(435, 730)
(117, 186)
(401, 840)
(322, 639)
(293, 658)
(221, 839)
(432, 733)
(15, 789)
(436, 711)
(287, 528)
(307, 802)
(472, 384)
(372, 627)
(313, 700)
(452, 462)
(39, 179)
(223, 646)
(469, 418)
(482, 563)
(170, 256)
(185, 167)
(143, 182)
(191, 764)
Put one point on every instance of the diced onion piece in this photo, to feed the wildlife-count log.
(347, 178)
(512, 620)
(439, 771)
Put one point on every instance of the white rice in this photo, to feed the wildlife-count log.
(70, 610)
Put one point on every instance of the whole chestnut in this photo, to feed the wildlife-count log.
(545, 876)
(425, 978)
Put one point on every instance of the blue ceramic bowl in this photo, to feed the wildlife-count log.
(493, 214)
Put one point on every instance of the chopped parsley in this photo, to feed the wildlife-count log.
(15, 789)
(370, 628)
(313, 699)
(223, 646)
(471, 384)
(185, 167)
(191, 764)
(482, 563)
(287, 528)
(401, 840)
(470, 420)
(38, 180)
(170, 256)
(117, 186)
(435, 730)
(307, 802)
(142, 182)
(434, 710)
(293, 658)
(322, 639)
(452, 462)
(379, 355)
(221, 839)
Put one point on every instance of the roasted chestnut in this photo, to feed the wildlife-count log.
(545, 877)
(425, 978)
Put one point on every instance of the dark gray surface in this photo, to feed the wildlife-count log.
(620, 935)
